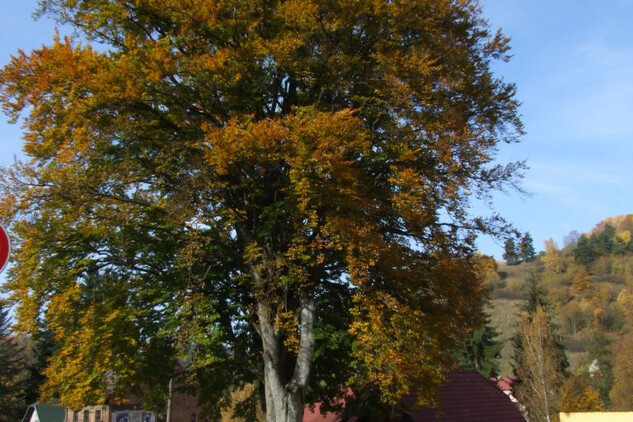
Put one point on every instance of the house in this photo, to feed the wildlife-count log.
(127, 412)
(44, 412)
(506, 384)
(466, 396)
(184, 408)
(596, 416)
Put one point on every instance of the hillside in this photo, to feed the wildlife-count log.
(588, 286)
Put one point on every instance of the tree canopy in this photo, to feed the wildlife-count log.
(271, 191)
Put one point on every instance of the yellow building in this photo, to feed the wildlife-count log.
(596, 417)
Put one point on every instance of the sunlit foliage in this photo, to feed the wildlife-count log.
(256, 188)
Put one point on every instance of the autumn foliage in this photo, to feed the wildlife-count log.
(587, 286)
(273, 191)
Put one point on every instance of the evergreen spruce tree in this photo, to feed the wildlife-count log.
(534, 295)
(482, 351)
(584, 253)
(12, 374)
(526, 248)
(511, 255)
(604, 240)
(42, 350)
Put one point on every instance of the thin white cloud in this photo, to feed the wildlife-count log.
(577, 173)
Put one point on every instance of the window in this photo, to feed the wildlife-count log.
(75, 416)
(86, 416)
(97, 415)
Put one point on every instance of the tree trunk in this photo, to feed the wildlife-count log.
(285, 393)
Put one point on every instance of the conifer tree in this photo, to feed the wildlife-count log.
(526, 248)
(534, 294)
(481, 351)
(41, 351)
(583, 252)
(511, 254)
(12, 373)
(603, 240)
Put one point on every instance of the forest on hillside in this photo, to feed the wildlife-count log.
(584, 291)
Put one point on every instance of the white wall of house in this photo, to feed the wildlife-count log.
(132, 416)
(34, 417)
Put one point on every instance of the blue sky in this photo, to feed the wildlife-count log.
(573, 65)
(18, 30)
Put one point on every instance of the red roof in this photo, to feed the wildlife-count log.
(316, 416)
(466, 396)
(505, 383)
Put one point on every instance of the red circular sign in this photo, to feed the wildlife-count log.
(5, 248)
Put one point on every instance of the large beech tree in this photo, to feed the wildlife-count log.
(274, 191)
